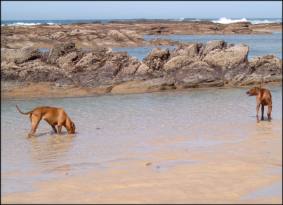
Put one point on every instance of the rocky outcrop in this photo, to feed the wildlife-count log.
(177, 62)
(266, 65)
(192, 65)
(19, 56)
(60, 50)
(213, 45)
(227, 58)
(85, 36)
(121, 34)
(198, 74)
(266, 68)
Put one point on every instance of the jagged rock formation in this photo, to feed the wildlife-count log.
(215, 63)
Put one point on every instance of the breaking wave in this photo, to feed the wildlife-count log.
(224, 20)
(25, 24)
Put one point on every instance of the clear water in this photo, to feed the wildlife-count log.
(141, 52)
(120, 128)
(259, 44)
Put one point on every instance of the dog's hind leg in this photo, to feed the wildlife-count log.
(34, 124)
(262, 111)
(269, 112)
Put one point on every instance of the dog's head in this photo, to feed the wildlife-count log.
(253, 91)
(71, 128)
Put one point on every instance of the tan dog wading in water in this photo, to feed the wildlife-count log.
(53, 116)
(263, 98)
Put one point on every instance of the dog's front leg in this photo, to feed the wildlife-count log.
(59, 129)
(54, 128)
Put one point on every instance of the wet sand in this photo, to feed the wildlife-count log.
(50, 90)
(224, 173)
(199, 146)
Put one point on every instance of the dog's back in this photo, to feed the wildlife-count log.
(265, 96)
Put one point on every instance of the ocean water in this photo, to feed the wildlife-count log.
(222, 20)
(121, 128)
(259, 44)
(141, 52)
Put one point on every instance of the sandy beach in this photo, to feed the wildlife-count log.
(239, 172)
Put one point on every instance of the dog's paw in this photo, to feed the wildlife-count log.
(30, 135)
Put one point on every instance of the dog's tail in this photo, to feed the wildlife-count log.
(24, 113)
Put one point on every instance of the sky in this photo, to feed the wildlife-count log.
(64, 10)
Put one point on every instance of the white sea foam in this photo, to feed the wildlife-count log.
(264, 21)
(23, 24)
(26, 24)
(224, 20)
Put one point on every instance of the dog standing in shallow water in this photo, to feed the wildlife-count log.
(263, 98)
(53, 116)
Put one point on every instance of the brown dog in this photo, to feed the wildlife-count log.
(263, 98)
(53, 116)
